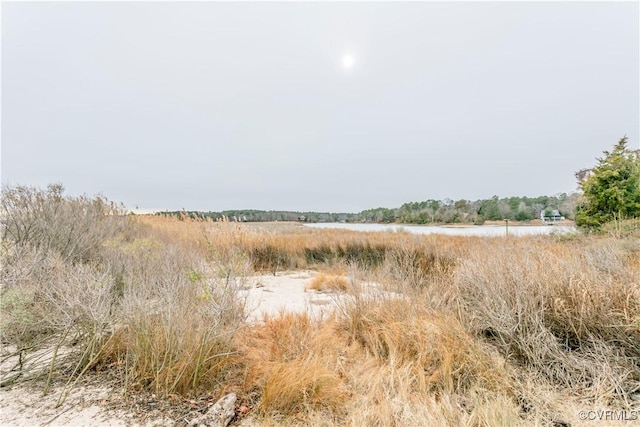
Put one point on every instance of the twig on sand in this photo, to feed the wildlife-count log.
(56, 416)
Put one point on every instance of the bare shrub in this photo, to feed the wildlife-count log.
(21, 319)
(54, 285)
(175, 321)
(113, 291)
(74, 227)
(559, 310)
(52, 304)
(56, 295)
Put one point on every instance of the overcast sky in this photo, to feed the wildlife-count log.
(314, 106)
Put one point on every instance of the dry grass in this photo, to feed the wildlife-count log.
(419, 366)
(394, 363)
(292, 365)
(324, 282)
(497, 331)
(437, 353)
(471, 331)
(567, 310)
(130, 297)
(286, 246)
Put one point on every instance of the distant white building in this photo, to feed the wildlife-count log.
(553, 216)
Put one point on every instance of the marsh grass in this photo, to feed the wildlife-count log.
(436, 351)
(464, 330)
(555, 312)
(324, 282)
(292, 366)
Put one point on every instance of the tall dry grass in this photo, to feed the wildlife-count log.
(466, 331)
(292, 365)
(388, 361)
(403, 257)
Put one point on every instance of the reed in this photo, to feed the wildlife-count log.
(464, 331)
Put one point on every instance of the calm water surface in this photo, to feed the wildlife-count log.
(471, 230)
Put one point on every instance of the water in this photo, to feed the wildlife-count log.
(466, 230)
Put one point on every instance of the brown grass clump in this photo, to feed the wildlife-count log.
(391, 363)
(323, 282)
(292, 365)
(435, 350)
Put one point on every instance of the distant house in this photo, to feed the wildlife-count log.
(551, 215)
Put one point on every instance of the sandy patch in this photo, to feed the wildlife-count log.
(285, 292)
(26, 405)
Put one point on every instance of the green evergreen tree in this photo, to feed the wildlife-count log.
(611, 190)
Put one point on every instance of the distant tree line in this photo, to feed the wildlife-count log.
(493, 209)
(610, 193)
(426, 212)
(465, 211)
(252, 215)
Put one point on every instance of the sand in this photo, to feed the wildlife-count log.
(25, 405)
(285, 292)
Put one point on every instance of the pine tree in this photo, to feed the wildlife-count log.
(611, 190)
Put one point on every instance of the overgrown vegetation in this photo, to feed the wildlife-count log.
(78, 275)
(458, 331)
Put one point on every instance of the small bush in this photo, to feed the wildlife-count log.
(328, 282)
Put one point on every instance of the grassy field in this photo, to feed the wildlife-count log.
(472, 331)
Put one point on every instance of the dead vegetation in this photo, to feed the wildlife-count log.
(471, 331)
(328, 282)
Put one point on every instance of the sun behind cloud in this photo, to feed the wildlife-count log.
(348, 61)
